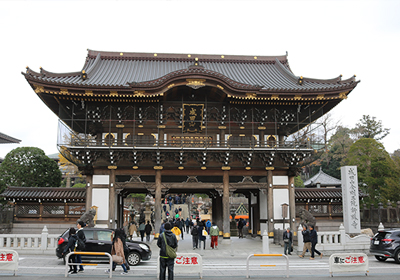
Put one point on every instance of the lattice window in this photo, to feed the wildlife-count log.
(28, 210)
(53, 209)
(337, 209)
(318, 209)
(76, 210)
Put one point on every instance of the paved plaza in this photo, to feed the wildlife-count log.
(226, 262)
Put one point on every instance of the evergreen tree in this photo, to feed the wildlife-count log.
(29, 167)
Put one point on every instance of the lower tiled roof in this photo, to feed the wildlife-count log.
(45, 194)
(323, 194)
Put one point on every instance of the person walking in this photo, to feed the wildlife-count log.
(70, 248)
(133, 230)
(287, 240)
(176, 231)
(180, 224)
(240, 226)
(148, 230)
(214, 232)
(187, 224)
(117, 249)
(306, 241)
(195, 236)
(169, 238)
(314, 241)
(141, 230)
(80, 235)
(202, 238)
(208, 226)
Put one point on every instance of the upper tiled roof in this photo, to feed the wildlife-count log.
(48, 194)
(323, 179)
(119, 70)
(5, 139)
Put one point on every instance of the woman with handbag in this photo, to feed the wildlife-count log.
(117, 251)
(202, 234)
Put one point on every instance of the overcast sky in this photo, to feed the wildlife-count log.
(323, 38)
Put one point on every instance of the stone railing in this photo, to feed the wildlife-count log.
(30, 242)
(334, 241)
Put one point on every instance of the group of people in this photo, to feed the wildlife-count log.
(310, 240)
(199, 233)
(142, 230)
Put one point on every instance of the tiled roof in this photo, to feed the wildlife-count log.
(125, 70)
(318, 193)
(323, 179)
(46, 194)
(5, 139)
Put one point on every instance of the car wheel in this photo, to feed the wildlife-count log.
(397, 256)
(133, 258)
(380, 258)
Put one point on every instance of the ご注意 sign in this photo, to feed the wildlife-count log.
(9, 260)
(187, 263)
(348, 262)
(350, 198)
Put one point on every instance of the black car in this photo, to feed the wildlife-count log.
(99, 240)
(386, 244)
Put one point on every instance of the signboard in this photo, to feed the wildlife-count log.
(9, 260)
(192, 117)
(348, 262)
(351, 204)
(186, 263)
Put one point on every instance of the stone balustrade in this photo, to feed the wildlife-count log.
(26, 242)
(333, 241)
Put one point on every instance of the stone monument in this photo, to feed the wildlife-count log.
(351, 204)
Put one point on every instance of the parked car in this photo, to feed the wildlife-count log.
(386, 244)
(99, 240)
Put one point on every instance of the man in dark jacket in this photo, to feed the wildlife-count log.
(314, 241)
(80, 235)
(70, 248)
(287, 240)
(165, 261)
(148, 228)
(306, 241)
(240, 226)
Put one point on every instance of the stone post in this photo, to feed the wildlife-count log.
(265, 242)
(300, 243)
(381, 227)
(157, 205)
(45, 233)
(342, 233)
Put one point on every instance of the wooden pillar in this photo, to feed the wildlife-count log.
(111, 210)
(161, 136)
(225, 206)
(256, 213)
(120, 134)
(262, 138)
(157, 205)
(281, 140)
(89, 188)
(222, 138)
(217, 212)
(270, 205)
(292, 205)
(251, 224)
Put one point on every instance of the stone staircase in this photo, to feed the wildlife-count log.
(184, 213)
(27, 228)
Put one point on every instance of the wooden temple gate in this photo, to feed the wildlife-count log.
(224, 118)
